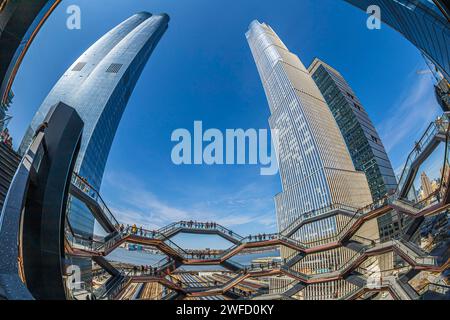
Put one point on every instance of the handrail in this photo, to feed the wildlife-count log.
(316, 212)
(423, 260)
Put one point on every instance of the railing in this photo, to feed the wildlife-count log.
(338, 269)
(4, 122)
(417, 257)
(435, 287)
(236, 264)
(163, 263)
(110, 243)
(87, 189)
(351, 293)
(314, 213)
(365, 241)
(358, 214)
(264, 266)
(260, 238)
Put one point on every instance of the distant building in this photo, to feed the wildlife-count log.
(423, 22)
(362, 139)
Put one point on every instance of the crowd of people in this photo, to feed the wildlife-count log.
(135, 230)
(262, 237)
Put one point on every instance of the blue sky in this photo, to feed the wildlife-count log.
(203, 70)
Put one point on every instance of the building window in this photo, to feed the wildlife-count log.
(357, 106)
(79, 66)
(374, 139)
(114, 67)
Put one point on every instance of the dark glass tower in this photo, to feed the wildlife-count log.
(362, 140)
(98, 85)
(423, 22)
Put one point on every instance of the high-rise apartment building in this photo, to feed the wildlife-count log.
(362, 140)
(98, 85)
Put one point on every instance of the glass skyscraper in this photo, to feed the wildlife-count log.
(315, 167)
(362, 140)
(98, 85)
(423, 22)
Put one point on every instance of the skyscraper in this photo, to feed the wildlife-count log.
(9, 161)
(362, 140)
(98, 85)
(423, 22)
(315, 167)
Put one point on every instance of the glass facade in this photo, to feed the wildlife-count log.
(98, 85)
(362, 140)
(421, 22)
(315, 167)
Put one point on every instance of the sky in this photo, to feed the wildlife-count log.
(202, 69)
